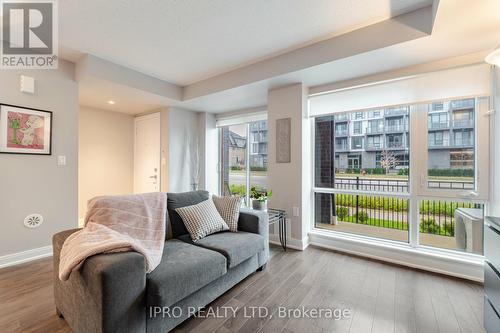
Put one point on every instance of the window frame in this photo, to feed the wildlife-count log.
(417, 180)
(249, 151)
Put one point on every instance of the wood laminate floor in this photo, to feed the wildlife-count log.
(380, 298)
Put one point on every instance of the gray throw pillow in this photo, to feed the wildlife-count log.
(202, 219)
(229, 210)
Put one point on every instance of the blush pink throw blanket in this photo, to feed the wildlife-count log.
(117, 224)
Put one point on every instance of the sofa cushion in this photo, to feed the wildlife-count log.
(184, 268)
(202, 219)
(235, 246)
(177, 200)
(229, 209)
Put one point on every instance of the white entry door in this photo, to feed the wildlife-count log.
(147, 151)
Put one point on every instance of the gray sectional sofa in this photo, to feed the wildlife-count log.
(113, 293)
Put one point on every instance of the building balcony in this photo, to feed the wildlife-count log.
(395, 112)
(374, 146)
(467, 123)
(374, 130)
(341, 117)
(463, 143)
(438, 125)
(439, 144)
(396, 128)
(343, 132)
(395, 145)
(462, 104)
(341, 148)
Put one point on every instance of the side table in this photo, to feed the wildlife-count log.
(279, 216)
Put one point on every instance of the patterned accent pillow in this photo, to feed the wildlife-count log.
(202, 219)
(229, 209)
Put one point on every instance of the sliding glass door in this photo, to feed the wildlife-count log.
(243, 158)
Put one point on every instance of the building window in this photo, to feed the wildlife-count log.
(373, 142)
(357, 142)
(375, 126)
(357, 127)
(243, 169)
(439, 139)
(359, 115)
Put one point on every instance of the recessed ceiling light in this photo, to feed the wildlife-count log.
(111, 102)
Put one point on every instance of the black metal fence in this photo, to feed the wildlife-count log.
(385, 212)
(367, 184)
(395, 185)
(436, 216)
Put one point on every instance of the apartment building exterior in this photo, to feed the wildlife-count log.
(258, 144)
(361, 137)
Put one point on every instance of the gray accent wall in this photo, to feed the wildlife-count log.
(36, 184)
(183, 132)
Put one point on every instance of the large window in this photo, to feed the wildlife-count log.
(244, 158)
(380, 168)
(413, 177)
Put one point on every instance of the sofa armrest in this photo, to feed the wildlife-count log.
(107, 294)
(254, 221)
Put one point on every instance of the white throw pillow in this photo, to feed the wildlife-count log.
(229, 209)
(202, 219)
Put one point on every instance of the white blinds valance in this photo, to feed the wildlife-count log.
(236, 119)
(467, 81)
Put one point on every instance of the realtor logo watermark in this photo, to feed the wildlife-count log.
(29, 34)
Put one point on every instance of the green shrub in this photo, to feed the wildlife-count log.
(257, 168)
(429, 226)
(362, 217)
(342, 213)
(235, 168)
(443, 207)
(373, 202)
(240, 190)
(403, 172)
(449, 229)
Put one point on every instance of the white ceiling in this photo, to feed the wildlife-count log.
(461, 27)
(189, 40)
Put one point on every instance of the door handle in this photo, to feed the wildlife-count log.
(154, 177)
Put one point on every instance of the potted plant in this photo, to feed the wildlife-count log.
(259, 198)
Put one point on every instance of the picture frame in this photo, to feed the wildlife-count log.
(25, 130)
(283, 140)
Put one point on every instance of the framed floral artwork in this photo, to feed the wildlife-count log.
(25, 130)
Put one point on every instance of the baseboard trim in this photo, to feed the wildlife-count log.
(25, 256)
(292, 243)
(448, 265)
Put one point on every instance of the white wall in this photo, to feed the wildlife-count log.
(36, 184)
(106, 155)
(183, 134)
(209, 144)
(286, 179)
(495, 135)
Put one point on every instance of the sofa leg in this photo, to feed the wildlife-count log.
(59, 314)
(261, 268)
